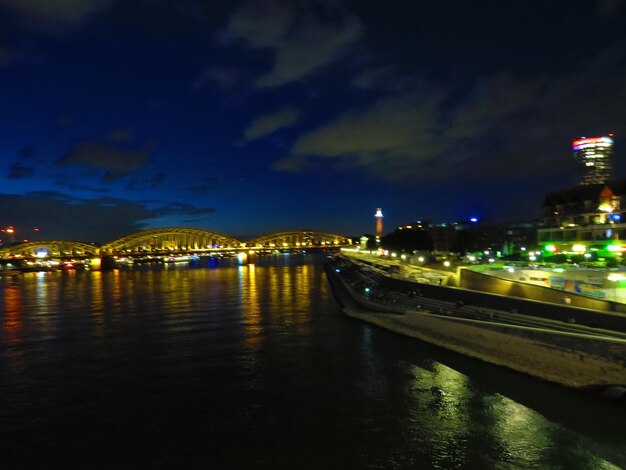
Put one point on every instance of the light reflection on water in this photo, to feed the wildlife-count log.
(253, 366)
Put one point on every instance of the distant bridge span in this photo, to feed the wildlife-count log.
(50, 248)
(171, 238)
(176, 239)
(299, 239)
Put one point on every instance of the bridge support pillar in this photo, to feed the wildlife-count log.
(107, 263)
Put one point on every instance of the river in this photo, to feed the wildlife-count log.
(222, 366)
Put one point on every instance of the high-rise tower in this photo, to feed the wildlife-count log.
(593, 155)
(379, 223)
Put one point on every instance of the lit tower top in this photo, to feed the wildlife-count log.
(593, 155)
(379, 222)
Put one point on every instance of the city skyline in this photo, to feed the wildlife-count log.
(259, 116)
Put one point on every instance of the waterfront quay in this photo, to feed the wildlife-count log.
(579, 348)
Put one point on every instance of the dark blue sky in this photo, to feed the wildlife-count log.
(249, 117)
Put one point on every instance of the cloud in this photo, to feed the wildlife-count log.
(117, 161)
(27, 152)
(499, 126)
(374, 78)
(301, 41)
(606, 8)
(74, 184)
(179, 208)
(390, 134)
(152, 182)
(102, 219)
(260, 23)
(52, 16)
(207, 185)
(270, 123)
(122, 134)
(63, 217)
(224, 77)
(7, 55)
(19, 171)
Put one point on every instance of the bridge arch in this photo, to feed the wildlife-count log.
(170, 239)
(300, 238)
(52, 248)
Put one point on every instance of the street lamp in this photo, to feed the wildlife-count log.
(11, 232)
(615, 277)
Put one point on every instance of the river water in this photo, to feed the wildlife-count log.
(226, 366)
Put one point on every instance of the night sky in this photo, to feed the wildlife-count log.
(250, 117)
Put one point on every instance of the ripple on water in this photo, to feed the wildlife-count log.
(255, 367)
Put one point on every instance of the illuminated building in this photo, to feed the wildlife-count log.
(379, 223)
(587, 220)
(593, 155)
(584, 219)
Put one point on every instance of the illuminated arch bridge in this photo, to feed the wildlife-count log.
(178, 239)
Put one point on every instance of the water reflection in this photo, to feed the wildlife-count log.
(12, 321)
(249, 296)
(449, 416)
(440, 415)
(193, 362)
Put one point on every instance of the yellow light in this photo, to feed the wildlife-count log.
(579, 248)
(551, 248)
(605, 207)
(616, 277)
(446, 264)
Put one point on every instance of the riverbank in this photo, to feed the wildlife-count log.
(577, 359)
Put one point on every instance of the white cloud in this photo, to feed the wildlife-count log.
(54, 15)
(302, 42)
(270, 123)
